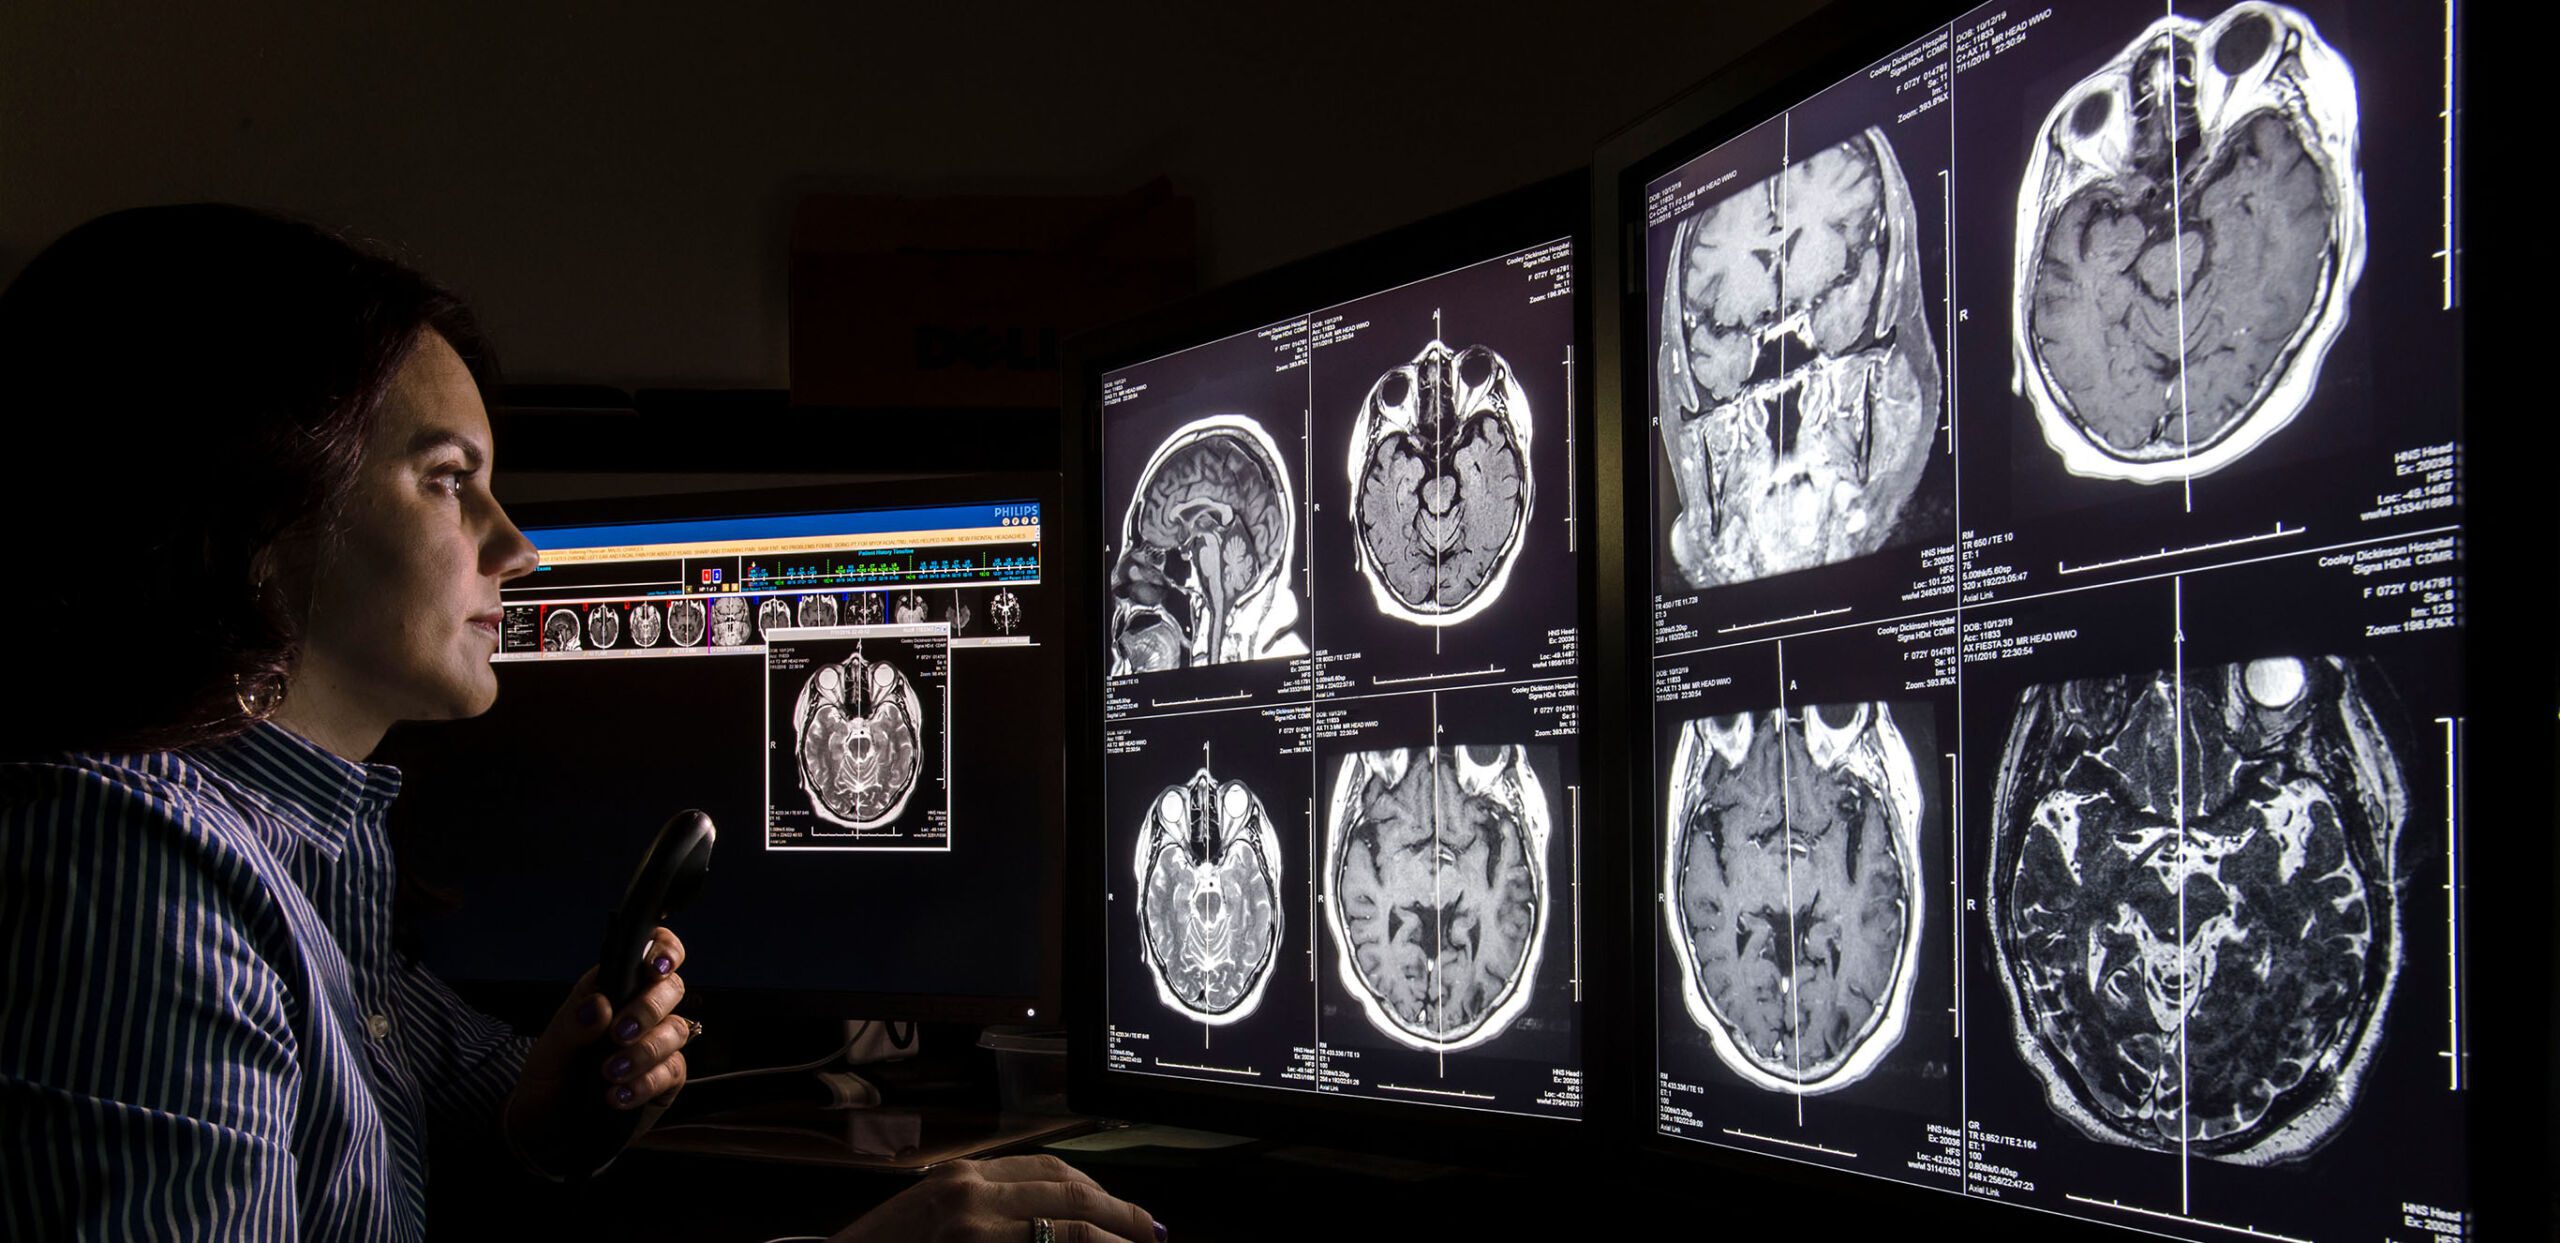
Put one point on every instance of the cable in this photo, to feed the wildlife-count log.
(850, 1038)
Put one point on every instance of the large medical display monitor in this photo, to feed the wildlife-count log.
(1335, 628)
(859, 683)
(2052, 454)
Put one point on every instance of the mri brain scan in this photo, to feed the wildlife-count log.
(859, 728)
(2193, 901)
(686, 622)
(604, 625)
(1440, 484)
(817, 610)
(911, 610)
(1005, 612)
(1209, 912)
(1437, 890)
(1797, 385)
(732, 623)
(645, 625)
(959, 617)
(2189, 230)
(774, 614)
(560, 631)
(1791, 882)
(1208, 547)
(864, 610)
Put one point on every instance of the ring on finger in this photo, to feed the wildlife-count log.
(1043, 1230)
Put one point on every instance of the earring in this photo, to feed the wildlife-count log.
(256, 704)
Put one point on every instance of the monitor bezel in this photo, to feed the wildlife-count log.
(2506, 1131)
(1040, 1009)
(1487, 230)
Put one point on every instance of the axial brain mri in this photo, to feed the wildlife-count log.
(2189, 230)
(645, 625)
(858, 726)
(2194, 904)
(1437, 890)
(1791, 884)
(1207, 549)
(1798, 388)
(1440, 483)
(1210, 916)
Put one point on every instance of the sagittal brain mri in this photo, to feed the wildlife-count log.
(1797, 384)
(959, 616)
(732, 622)
(1440, 483)
(1791, 887)
(864, 610)
(686, 622)
(1005, 612)
(560, 631)
(2189, 230)
(2194, 900)
(911, 610)
(1437, 890)
(774, 614)
(1208, 546)
(604, 626)
(859, 728)
(1209, 913)
(817, 609)
(645, 625)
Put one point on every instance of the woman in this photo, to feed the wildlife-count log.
(257, 460)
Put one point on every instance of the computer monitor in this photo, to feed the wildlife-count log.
(861, 684)
(1333, 572)
(2047, 454)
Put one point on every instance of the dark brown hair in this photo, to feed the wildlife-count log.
(185, 393)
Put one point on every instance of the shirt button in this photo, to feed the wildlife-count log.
(378, 1024)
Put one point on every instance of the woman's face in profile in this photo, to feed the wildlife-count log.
(404, 609)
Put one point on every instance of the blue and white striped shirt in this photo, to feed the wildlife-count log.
(204, 1029)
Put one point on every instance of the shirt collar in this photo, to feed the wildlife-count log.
(315, 794)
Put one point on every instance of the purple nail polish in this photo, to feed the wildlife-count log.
(665, 964)
(1159, 1230)
(626, 1029)
(622, 1095)
(618, 1067)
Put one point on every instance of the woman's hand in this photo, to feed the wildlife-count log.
(646, 1065)
(997, 1201)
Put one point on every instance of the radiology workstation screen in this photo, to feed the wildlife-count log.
(2056, 624)
(860, 698)
(1341, 776)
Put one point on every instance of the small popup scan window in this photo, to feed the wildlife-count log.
(1341, 755)
(2056, 649)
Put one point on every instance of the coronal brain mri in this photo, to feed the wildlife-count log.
(1791, 882)
(816, 609)
(2189, 230)
(560, 631)
(773, 614)
(1005, 611)
(911, 610)
(1437, 891)
(1797, 384)
(645, 625)
(686, 622)
(604, 625)
(859, 728)
(1208, 545)
(732, 623)
(1210, 916)
(2194, 901)
(865, 609)
(1440, 483)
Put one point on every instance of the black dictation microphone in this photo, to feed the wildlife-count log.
(669, 877)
